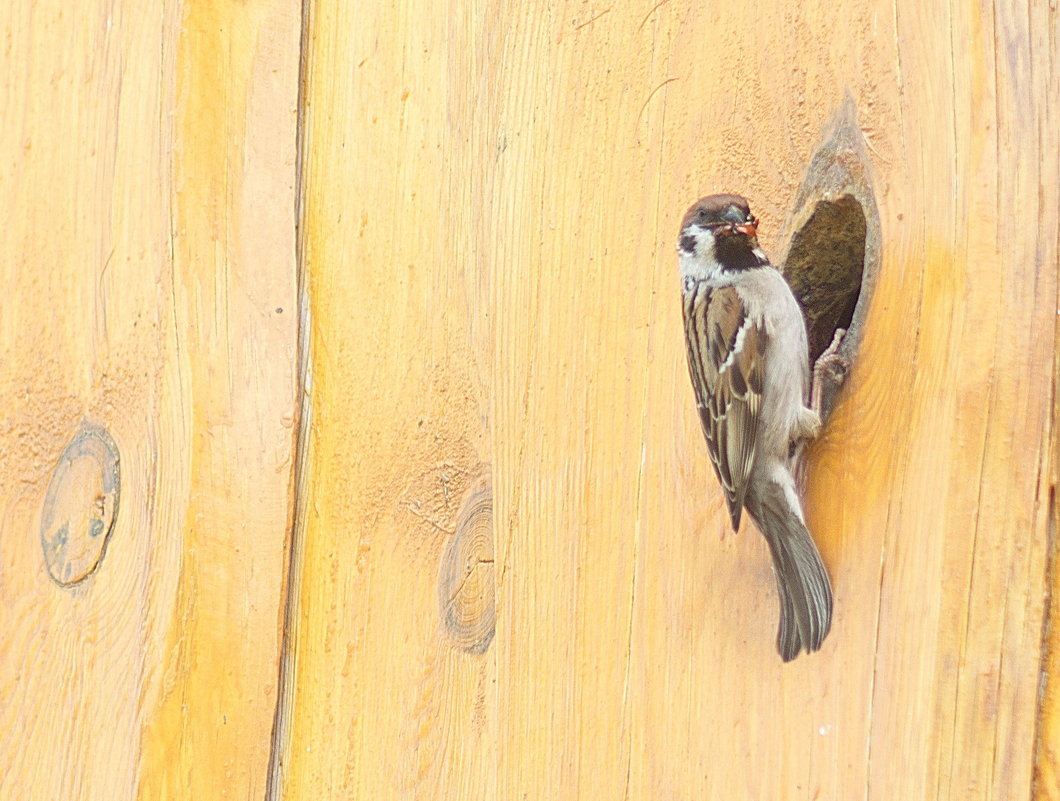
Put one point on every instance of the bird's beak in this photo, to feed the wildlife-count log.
(747, 229)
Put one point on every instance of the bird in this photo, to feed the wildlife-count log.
(748, 359)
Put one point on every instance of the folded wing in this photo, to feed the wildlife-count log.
(726, 359)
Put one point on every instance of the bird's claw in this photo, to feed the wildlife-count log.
(830, 368)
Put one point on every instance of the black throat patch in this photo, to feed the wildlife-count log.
(734, 252)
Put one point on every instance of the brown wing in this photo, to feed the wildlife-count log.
(726, 358)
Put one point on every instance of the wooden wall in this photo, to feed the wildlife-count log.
(349, 450)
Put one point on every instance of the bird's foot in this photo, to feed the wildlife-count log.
(830, 368)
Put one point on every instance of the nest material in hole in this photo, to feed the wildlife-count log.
(824, 268)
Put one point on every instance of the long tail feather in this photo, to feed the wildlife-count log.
(802, 580)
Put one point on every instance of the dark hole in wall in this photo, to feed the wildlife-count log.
(833, 252)
(825, 266)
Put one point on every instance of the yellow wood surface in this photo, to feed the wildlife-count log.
(493, 192)
(512, 575)
(148, 198)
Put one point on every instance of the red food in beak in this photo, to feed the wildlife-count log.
(747, 229)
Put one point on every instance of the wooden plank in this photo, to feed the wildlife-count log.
(514, 576)
(493, 198)
(149, 199)
(1047, 750)
(394, 688)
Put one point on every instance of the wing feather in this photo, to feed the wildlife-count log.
(726, 360)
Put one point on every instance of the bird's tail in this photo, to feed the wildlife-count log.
(802, 580)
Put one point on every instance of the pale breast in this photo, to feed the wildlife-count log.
(766, 296)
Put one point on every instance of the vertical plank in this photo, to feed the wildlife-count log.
(1044, 38)
(234, 349)
(392, 686)
(85, 195)
(585, 245)
(493, 192)
(149, 187)
(1047, 730)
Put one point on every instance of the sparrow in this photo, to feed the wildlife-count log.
(749, 362)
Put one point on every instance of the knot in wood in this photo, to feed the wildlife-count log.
(81, 506)
(466, 593)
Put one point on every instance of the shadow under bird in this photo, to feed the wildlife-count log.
(749, 363)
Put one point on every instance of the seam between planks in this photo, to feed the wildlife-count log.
(280, 745)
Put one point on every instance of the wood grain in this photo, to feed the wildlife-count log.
(493, 192)
(149, 267)
(511, 572)
(390, 699)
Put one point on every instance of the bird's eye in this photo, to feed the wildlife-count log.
(702, 213)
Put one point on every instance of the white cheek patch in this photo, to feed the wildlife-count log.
(698, 263)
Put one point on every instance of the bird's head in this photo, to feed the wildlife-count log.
(719, 230)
